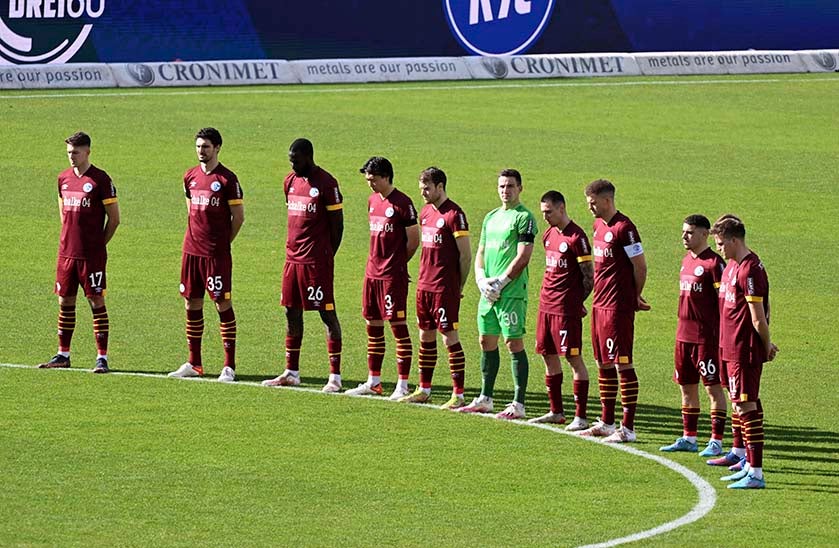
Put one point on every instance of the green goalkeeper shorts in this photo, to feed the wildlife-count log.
(505, 317)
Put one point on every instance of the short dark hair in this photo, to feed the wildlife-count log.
(729, 216)
(378, 165)
(729, 226)
(514, 173)
(78, 139)
(435, 175)
(553, 196)
(211, 134)
(303, 146)
(599, 187)
(698, 220)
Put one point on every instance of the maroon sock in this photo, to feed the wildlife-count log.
(736, 432)
(457, 367)
(629, 397)
(753, 428)
(100, 329)
(554, 386)
(194, 332)
(690, 420)
(375, 348)
(581, 398)
(292, 352)
(608, 381)
(717, 424)
(227, 327)
(66, 326)
(404, 350)
(333, 348)
(427, 361)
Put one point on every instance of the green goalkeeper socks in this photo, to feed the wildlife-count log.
(490, 361)
(520, 368)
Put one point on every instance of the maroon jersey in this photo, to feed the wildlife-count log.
(210, 196)
(699, 307)
(83, 200)
(614, 276)
(309, 201)
(440, 259)
(389, 217)
(562, 286)
(745, 282)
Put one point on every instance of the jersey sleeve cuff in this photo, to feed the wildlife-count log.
(235, 202)
(584, 259)
(335, 207)
(754, 299)
(109, 201)
(461, 234)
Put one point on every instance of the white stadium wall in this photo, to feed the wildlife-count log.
(413, 69)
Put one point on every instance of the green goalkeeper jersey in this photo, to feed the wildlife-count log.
(501, 232)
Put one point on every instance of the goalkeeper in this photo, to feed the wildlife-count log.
(505, 247)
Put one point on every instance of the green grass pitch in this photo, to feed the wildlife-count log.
(126, 460)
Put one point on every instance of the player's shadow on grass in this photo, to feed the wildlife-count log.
(654, 423)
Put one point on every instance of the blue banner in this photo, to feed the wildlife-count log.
(62, 31)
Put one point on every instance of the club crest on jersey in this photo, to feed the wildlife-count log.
(440, 223)
(609, 237)
(192, 184)
(389, 212)
(87, 187)
(698, 271)
(314, 193)
(215, 186)
(563, 247)
(64, 187)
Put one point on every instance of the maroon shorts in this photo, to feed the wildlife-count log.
(694, 361)
(88, 273)
(440, 311)
(743, 381)
(384, 299)
(308, 286)
(213, 274)
(558, 334)
(612, 334)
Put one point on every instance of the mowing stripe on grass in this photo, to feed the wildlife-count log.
(707, 494)
(367, 88)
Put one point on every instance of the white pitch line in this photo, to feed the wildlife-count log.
(707, 494)
(373, 88)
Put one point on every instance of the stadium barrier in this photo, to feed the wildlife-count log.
(412, 69)
(395, 69)
(203, 73)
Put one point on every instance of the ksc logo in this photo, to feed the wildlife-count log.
(498, 27)
(45, 31)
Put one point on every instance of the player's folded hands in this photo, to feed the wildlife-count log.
(490, 288)
(484, 285)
